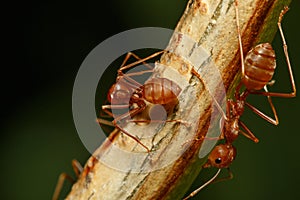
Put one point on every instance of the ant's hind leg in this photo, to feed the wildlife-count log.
(263, 115)
(279, 94)
(63, 176)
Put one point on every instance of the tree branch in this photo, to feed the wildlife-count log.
(205, 38)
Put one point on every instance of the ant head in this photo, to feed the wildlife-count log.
(119, 94)
(221, 156)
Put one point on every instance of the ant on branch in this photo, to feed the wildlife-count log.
(257, 72)
(129, 94)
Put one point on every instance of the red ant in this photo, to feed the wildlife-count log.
(127, 93)
(257, 73)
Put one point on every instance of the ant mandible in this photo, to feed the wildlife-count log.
(128, 93)
(257, 72)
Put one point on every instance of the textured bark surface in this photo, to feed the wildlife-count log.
(205, 40)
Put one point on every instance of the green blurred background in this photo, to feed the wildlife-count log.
(45, 43)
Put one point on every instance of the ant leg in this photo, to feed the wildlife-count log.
(59, 185)
(239, 36)
(106, 107)
(104, 114)
(225, 116)
(204, 185)
(185, 123)
(120, 117)
(63, 176)
(101, 121)
(139, 60)
(130, 81)
(123, 116)
(127, 114)
(215, 101)
(104, 122)
(263, 115)
(130, 113)
(132, 137)
(77, 167)
(275, 94)
(136, 73)
(248, 133)
(131, 65)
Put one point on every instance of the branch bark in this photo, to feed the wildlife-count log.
(205, 38)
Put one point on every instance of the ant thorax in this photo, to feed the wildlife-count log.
(231, 129)
(237, 107)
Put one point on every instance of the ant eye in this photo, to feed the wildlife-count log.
(218, 160)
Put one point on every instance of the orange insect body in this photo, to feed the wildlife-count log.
(160, 91)
(257, 72)
(129, 94)
(260, 64)
(156, 91)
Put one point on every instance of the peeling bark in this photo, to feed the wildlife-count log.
(207, 28)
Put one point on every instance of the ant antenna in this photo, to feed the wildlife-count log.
(204, 185)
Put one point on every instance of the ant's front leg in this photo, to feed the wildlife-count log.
(139, 60)
(128, 76)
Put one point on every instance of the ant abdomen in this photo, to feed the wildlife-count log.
(161, 91)
(260, 63)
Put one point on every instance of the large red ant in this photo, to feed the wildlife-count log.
(257, 72)
(127, 93)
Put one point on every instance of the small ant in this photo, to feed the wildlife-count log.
(127, 93)
(257, 72)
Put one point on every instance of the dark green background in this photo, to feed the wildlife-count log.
(45, 43)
